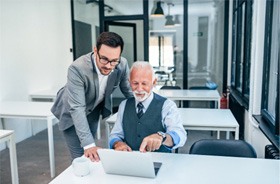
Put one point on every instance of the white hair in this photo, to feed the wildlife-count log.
(143, 64)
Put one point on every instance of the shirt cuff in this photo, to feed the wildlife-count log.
(112, 142)
(175, 137)
(89, 146)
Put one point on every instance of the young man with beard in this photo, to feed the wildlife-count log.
(148, 121)
(91, 80)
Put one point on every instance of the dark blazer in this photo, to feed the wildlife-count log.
(77, 98)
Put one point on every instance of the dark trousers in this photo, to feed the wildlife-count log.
(72, 139)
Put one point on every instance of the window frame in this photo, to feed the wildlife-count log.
(269, 125)
(240, 80)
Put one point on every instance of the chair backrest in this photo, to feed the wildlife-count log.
(219, 147)
(170, 87)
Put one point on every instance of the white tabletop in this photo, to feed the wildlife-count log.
(200, 119)
(184, 168)
(32, 110)
(205, 117)
(5, 133)
(187, 94)
(22, 109)
(44, 94)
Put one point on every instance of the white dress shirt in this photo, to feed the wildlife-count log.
(102, 79)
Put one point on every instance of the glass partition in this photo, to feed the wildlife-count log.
(166, 41)
(123, 7)
(85, 26)
(205, 43)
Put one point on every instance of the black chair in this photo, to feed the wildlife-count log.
(170, 87)
(200, 87)
(219, 147)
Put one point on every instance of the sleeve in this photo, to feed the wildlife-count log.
(117, 133)
(76, 93)
(173, 123)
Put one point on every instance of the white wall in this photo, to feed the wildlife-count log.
(35, 42)
(252, 132)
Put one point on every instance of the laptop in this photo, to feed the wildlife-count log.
(128, 163)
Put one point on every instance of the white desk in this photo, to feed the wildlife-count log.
(191, 95)
(32, 110)
(198, 119)
(50, 95)
(8, 136)
(210, 119)
(44, 95)
(184, 168)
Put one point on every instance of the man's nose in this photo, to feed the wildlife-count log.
(108, 65)
(139, 87)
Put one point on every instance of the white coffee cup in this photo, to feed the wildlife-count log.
(81, 166)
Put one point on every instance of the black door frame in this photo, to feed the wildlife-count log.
(124, 24)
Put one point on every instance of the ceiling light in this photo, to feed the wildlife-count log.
(169, 22)
(177, 21)
(157, 11)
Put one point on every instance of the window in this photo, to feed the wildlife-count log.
(270, 89)
(161, 49)
(241, 40)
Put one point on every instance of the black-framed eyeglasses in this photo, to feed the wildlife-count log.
(105, 60)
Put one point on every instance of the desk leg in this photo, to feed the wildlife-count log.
(13, 159)
(236, 133)
(3, 127)
(51, 146)
(107, 132)
(98, 132)
(227, 135)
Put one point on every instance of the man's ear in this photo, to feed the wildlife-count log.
(155, 82)
(95, 49)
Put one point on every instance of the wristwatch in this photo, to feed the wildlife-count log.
(163, 135)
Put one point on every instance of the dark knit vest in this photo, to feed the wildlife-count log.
(135, 129)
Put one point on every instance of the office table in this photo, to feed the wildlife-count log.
(8, 136)
(191, 95)
(198, 119)
(49, 95)
(185, 168)
(209, 119)
(34, 111)
(44, 95)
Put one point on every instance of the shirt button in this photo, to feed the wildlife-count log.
(139, 135)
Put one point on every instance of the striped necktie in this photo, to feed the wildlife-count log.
(140, 110)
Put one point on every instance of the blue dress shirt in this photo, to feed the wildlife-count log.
(171, 121)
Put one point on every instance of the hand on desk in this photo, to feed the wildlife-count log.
(151, 143)
(122, 146)
(92, 154)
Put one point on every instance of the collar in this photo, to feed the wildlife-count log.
(146, 102)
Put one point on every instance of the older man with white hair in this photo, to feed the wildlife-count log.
(147, 121)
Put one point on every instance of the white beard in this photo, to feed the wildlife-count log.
(138, 98)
